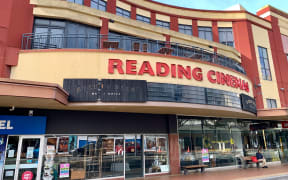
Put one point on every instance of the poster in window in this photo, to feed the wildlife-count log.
(3, 140)
(150, 143)
(29, 153)
(119, 149)
(205, 155)
(63, 144)
(72, 143)
(64, 170)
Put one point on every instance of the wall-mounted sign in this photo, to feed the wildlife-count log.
(163, 69)
(248, 103)
(22, 125)
(285, 124)
(114, 90)
(82, 90)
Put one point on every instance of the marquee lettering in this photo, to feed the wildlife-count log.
(175, 71)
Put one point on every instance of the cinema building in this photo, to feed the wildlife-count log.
(117, 89)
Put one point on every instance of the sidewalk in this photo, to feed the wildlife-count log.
(231, 174)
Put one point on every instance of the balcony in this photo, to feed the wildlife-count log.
(126, 43)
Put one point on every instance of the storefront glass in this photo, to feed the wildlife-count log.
(102, 156)
(156, 154)
(219, 142)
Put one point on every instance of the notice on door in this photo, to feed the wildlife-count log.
(30, 151)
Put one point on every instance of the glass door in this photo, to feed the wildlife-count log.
(133, 156)
(23, 158)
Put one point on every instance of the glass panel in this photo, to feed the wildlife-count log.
(86, 157)
(56, 38)
(133, 156)
(40, 38)
(11, 155)
(156, 150)
(29, 158)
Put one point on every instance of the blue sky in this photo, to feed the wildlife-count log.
(250, 5)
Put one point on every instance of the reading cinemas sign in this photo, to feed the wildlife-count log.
(179, 71)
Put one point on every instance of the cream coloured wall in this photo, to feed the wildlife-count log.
(53, 66)
(123, 5)
(205, 23)
(184, 21)
(269, 88)
(162, 17)
(224, 24)
(143, 12)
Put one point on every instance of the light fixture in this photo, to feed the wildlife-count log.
(282, 89)
(30, 113)
(12, 108)
(257, 85)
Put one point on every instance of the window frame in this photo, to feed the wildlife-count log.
(265, 65)
(77, 1)
(185, 29)
(206, 30)
(225, 31)
(271, 103)
(99, 4)
(123, 12)
(144, 19)
(163, 24)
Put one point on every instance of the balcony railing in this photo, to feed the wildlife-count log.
(119, 42)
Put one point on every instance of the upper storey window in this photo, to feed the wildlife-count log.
(98, 4)
(76, 1)
(226, 36)
(122, 12)
(285, 44)
(205, 33)
(264, 61)
(186, 29)
(64, 34)
(271, 103)
(143, 19)
(163, 24)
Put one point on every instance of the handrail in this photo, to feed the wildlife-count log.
(96, 41)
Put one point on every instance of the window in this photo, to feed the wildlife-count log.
(122, 12)
(264, 61)
(271, 103)
(186, 29)
(143, 19)
(64, 34)
(76, 1)
(163, 24)
(205, 33)
(226, 36)
(98, 4)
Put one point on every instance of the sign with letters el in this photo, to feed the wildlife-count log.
(24, 125)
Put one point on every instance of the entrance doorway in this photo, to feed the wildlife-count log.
(23, 158)
(133, 156)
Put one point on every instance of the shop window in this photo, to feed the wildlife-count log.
(271, 103)
(83, 157)
(186, 29)
(98, 4)
(143, 19)
(122, 12)
(163, 24)
(156, 154)
(226, 36)
(76, 1)
(205, 33)
(264, 61)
